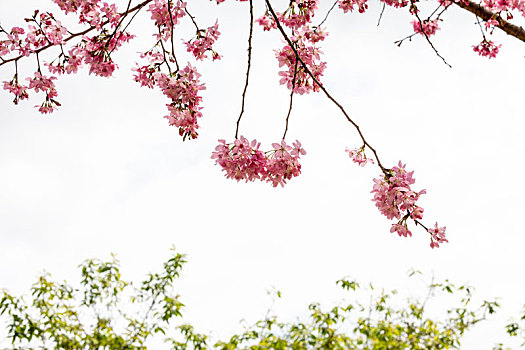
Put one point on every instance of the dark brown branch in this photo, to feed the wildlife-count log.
(247, 70)
(72, 36)
(307, 70)
(484, 14)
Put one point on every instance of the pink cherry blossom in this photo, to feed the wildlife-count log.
(203, 43)
(266, 22)
(311, 56)
(242, 160)
(358, 156)
(437, 236)
(393, 195)
(16, 89)
(401, 229)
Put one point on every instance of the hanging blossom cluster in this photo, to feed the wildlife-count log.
(203, 43)
(395, 199)
(487, 48)
(243, 160)
(182, 88)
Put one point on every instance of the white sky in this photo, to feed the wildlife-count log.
(107, 174)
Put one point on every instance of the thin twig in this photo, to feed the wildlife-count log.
(426, 36)
(327, 14)
(291, 97)
(247, 70)
(307, 70)
(164, 52)
(381, 14)
(192, 19)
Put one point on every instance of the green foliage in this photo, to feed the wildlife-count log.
(106, 312)
(379, 325)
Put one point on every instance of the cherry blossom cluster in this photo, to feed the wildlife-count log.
(182, 88)
(428, 27)
(298, 17)
(358, 156)
(166, 15)
(395, 199)
(348, 5)
(295, 76)
(203, 43)
(299, 13)
(487, 48)
(243, 160)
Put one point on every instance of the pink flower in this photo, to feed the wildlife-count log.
(437, 236)
(311, 56)
(299, 13)
(417, 213)
(41, 83)
(204, 42)
(393, 195)
(16, 89)
(266, 22)
(401, 230)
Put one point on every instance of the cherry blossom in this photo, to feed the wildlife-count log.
(242, 160)
(487, 48)
(437, 236)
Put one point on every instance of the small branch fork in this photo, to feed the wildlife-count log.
(307, 70)
(247, 70)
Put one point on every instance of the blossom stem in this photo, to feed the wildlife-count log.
(247, 70)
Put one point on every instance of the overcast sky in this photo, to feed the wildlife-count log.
(106, 173)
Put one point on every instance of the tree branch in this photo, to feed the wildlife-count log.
(307, 70)
(509, 28)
